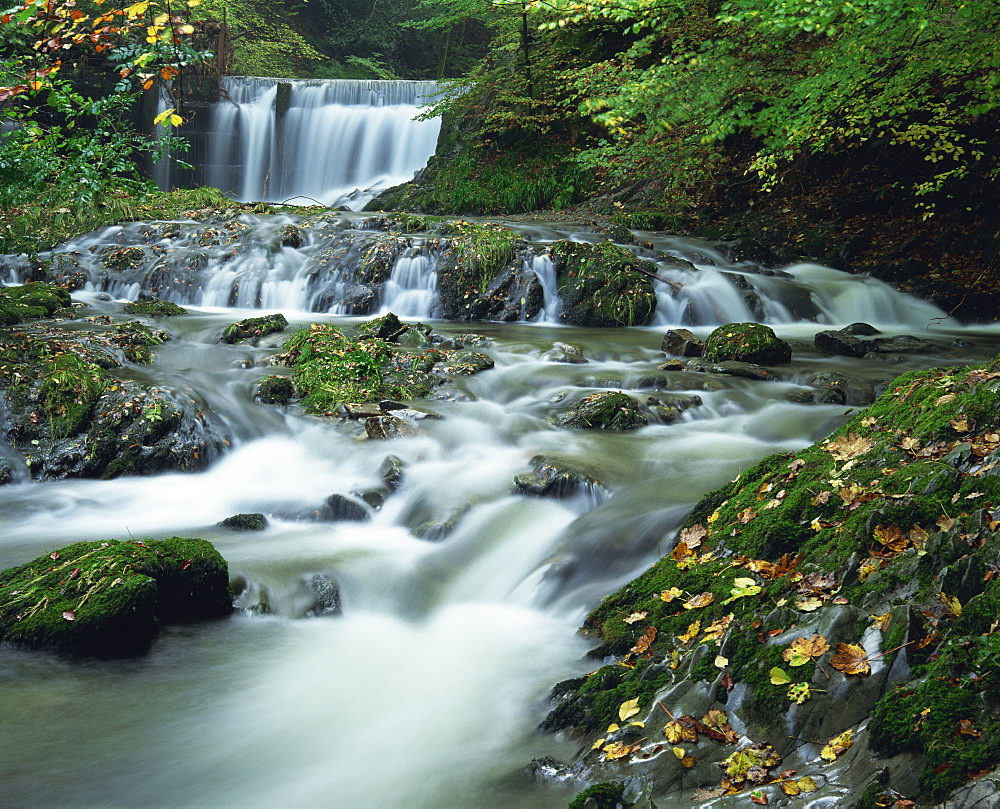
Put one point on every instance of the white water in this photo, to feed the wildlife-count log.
(339, 143)
(426, 690)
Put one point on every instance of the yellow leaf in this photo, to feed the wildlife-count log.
(692, 632)
(790, 787)
(671, 594)
(721, 662)
(612, 728)
(635, 617)
(699, 601)
(779, 677)
(837, 746)
(598, 743)
(951, 604)
(810, 604)
(161, 117)
(176, 120)
(847, 447)
(628, 709)
(184, 29)
(851, 659)
(679, 752)
(678, 732)
(807, 784)
(137, 9)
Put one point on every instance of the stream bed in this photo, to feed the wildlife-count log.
(426, 688)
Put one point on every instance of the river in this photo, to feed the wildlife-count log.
(425, 691)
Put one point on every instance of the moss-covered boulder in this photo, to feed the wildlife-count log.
(70, 417)
(854, 580)
(279, 390)
(747, 342)
(110, 599)
(147, 306)
(475, 255)
(30, 301)
(253, 328)
(607, 410)
(602, 285)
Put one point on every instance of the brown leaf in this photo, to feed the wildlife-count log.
(838, 745)
(644, 642)
(759, 798)
(746, 515)
(965, 728)
(699, 601)
(850, 659)
(892, 537)
(847, 447)
(635, 617)
(69, 615)
(54, 555)
(803, 650)
(681, 551)
(693, 535)
(688, 762)
(962, 424)
(727, 681)
(677, 732)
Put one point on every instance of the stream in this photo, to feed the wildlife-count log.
(426, 689)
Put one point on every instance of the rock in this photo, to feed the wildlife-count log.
(325, 595)
(342, 509)
(279, 390)
(903, 344)
(465, 363)
(387, 327)
(253, 328)
(564, 352)
(109, 599)
(842, 343)
(682, 343)
(747, 342)
(442, 523)
(860, 330)
(375, 498)
(388, 426)
(148, 306)
(31, 301)
(608, 410)
(291, 236)
(747, 370)
(391, 471)
(552, 477)
(249, 596)
(245, 522)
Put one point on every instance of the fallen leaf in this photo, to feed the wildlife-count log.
(837, 746)
(642, 645)
(617, 750)
(962, 424)
(892, 537)
(965, 728)
(810, 604)
(802, 650)
(779, 676)
(635, 617)
(692, 632)
(758, 797)
(69, 615)
(945, 523)
(847, 447)
(951, 604)
(790, 787)
(693, 535)
(850, 659)
(702, 794)
(679, 752)
(717, 629)
(628, 709)
(688, 762)
(751, 763)
(807, 784)
(671, 594)
(799, 693)
(881, 622)
(677, 731)
(746, 515)
(699, 601)
(721, 662)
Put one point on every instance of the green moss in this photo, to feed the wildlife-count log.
(109, 599)
(603, 285)
(253, 328)
(29, 301)
(746, 342)
(154, 307)
(136, 340)
(601, 796)
(607, 410)
(69, 389)
(479, 253)
(275, 390)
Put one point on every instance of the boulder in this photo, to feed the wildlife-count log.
(342, 509)
(245, 522)
(682, 343)
(30, 301)
(553, 477)
(608, 410)
(253, 327)
(279, 390)
(747, 342)
(110, 599)
(149, 306)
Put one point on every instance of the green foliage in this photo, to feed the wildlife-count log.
(601, 796)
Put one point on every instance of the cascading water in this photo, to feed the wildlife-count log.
(426, 690)
(308, 141)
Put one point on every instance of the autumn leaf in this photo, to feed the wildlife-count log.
(758, 797)
(642, 645)
(751, 763)
(720, 662)
(692, 632)
(809, 604)
(892, 537)
(951, 604)
(965, 728)
(693, 535)
(688, 762)
(699, 601)
(837, 746)
(702, 794)
(677, 732)
(671, 594)
(962, 424)
(847, 447)
(779, 676)
(681, 552)
(715, 630)
(850, 659)
(799, 693)
(635, 617)
(617, 750)
(746, 515)
(803, 650)
(69, 615)
(628, 709)
(807, 784)
(881, 622)
(743, 587)
(945, 523)
(790, 787)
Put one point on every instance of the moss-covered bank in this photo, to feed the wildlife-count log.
(881, 544)
(110, 599)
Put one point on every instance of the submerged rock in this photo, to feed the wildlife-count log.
(109, 599)
(148, 306)
(245, 522)
(845, 595)
(552, 477)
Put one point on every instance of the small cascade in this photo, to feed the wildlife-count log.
(411, 290)
(332, 142)
(543, 268)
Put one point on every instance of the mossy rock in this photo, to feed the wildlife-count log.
(747, 342)
(154, 307)
(253, 328)
(602, 285)
(607, 410)
(386, 327)
(477, 254)
(601, 796)
(279, 390)
(31, 301)
(136, 341)
(110, 599)
(245, 522)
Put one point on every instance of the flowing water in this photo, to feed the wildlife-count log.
(426, 690)
(307, 141)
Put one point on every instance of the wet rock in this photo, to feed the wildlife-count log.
(253, 327)
(245, 522)
(465, 363)
(610, 410)
(109, 599)
(442, 523)
(249, 596)
(279, 390)
(903, 344)
(387, 327)
(682, 343)
(136, 341)
(747, 342)
(861, 330)
(149, 306)
(388, 426)
(391, 471)
(325, 595)
(31, 301)
(122, 259)
(564, 352)
(291, 236)
(375, 498)
(749, 294)
(843, 343)
(416, 336)
(553, 477)
(342, 509)
(747, 370)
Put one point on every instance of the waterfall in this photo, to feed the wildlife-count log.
(411, 290)
(334, 142)
(543, 268)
